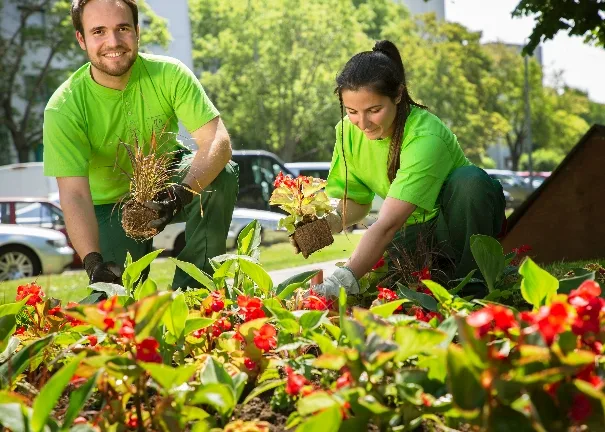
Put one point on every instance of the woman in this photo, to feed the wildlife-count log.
(392, 146)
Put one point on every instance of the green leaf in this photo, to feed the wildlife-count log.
(167, 376)
(195, 273)
(213, 372)
(17, 364)
(506, 419)
(489, 257)
(435, 363)
(176, 315)
(8, 324)
(414, 340)
(569, 284)
(424, 300)
(369, 402)
(193, 324)
(13, 308)
(267, 385)
(218, 396)
(78, 398)
(316, 401)
(258, 274)
(109, 288)
(387, 309)
(326, 421)
(537, 285)
(325, 344)
(463, 283)
(285, 289)
(11, 346)
(13, 418)
(312, 319)
(249, 240)
(463, 381)
(440, 293)
(146, 289)
(132, 272)
(149, 312)
(51, 392)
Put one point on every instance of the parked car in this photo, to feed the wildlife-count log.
(172, 238)
(27, 251)
(26, 179)
(313, 169)
(36, 211)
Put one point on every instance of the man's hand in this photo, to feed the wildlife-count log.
(342, 277)
(168, 203)
(99, 271)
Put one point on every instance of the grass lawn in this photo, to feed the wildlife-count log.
(72, 286)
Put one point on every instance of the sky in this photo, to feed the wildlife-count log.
(583, 65)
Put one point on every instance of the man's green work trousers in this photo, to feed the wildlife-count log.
(205, 235)
(470, 202)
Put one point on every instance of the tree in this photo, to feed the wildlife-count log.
(449, 71)
(38, 50)
(578, 17)
(507, 98)
(269, 66)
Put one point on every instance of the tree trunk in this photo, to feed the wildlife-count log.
(23, 150)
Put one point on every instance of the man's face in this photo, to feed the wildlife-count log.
(110, 38)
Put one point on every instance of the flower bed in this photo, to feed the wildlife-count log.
(246, 355)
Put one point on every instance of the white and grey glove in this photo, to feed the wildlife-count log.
(342, 277)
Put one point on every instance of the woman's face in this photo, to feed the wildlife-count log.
(371, 112)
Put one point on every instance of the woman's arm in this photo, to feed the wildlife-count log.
(374, 242)
(355, 214)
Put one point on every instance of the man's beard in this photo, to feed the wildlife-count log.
(114, 70)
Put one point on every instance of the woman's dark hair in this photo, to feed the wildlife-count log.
(77, 7)
(381, 71)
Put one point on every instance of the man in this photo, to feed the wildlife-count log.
(122, 96)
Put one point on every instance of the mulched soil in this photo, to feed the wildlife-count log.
(259, 408)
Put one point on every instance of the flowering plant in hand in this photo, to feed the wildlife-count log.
(302, 197)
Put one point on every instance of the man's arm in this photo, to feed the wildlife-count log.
(78, 209)
(214, 151)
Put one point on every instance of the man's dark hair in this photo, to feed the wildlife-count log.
(77, 7)
(381, 71)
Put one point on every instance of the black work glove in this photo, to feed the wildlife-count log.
(99, 271)
(168, 203)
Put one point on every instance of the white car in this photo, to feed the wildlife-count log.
(30, 251)
(173, 237)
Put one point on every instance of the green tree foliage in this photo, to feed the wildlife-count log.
(542, 159)
(270, 65)
(35, 39)
(578, 17)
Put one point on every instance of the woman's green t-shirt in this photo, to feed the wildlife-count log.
(429, 153)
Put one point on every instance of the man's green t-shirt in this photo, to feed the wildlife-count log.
(429, 153)
(84, 122)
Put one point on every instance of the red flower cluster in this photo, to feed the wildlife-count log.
(492, 317)
(424, 274)
(344, 380)
(317, 302)
(421, 315)
(32, 289)
(250, 307)
(126, 331)
(518, 252)
(249, 363)
(265, 337)
(387, 295)
(285, 180)
(147, 351)
(295, 382)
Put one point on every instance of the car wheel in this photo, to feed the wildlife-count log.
(179, 245)
(18, 262)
